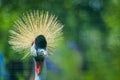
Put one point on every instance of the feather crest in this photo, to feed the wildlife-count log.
(30, 25)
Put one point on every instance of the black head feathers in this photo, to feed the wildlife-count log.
(40, 42)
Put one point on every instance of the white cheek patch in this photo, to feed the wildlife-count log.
(45, 53)
(39, 52)
(42, 52)
(33, 50)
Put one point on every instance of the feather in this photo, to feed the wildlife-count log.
(32, 24)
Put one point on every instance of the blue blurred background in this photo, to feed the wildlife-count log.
(91, 46)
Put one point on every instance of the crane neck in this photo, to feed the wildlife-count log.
(42, 74)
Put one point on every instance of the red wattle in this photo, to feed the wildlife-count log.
(38, 67)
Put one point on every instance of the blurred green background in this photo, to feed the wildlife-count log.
(91, 46)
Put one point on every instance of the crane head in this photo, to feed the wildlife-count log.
(39, 46)
(39, 52)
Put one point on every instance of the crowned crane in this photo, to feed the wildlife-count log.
(36, 33)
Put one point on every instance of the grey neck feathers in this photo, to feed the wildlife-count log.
(41, 76)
